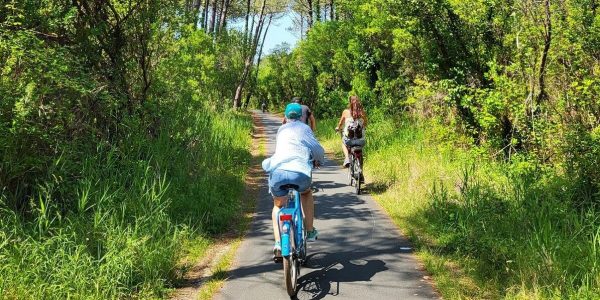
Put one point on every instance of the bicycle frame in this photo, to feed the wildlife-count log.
(291, 224)
(355, 168)
(356, 154)
(293, 240)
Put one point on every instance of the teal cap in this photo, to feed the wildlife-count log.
(293, 111)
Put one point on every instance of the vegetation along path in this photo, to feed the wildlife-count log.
(359, 254)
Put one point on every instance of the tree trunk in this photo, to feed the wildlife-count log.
(246, 30)
(260, 51)
(249, 58)
(248, 37)
(224, 9)
(318, 10)
(332, 15)
(301, 25)
(197, 10)
(205, 16)
(310, 14)
(543, 95)
(213, 17)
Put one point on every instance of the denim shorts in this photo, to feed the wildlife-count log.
(280, 178)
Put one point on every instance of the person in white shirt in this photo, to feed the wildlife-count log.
(297, 151)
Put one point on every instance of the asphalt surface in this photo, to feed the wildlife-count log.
(359, 253)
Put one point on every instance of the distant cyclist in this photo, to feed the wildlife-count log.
(264, 106)
(354, 120)
(296, 149)
(307, 116)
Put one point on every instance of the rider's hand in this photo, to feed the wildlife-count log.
(316, 164)
(337, 129)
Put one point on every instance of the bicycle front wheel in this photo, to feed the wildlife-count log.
(290, 274)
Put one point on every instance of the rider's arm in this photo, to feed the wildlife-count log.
(312, 122)
(342, 118)
(317, 151)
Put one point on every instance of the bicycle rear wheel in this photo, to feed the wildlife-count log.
(351, 170)
(304, 248)
(290, 274)
(357, 175)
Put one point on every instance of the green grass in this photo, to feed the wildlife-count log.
(329, 139)
(220, 272)
(139, 209)
(483, 229)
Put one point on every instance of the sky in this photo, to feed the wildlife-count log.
(279, 33)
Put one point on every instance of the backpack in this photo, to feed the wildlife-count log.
(355, 130)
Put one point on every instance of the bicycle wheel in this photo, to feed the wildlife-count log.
(357, 174)
(351, 170)
(290, 274)
(304, 248)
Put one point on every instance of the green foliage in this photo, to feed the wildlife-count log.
(483, 134)
(134, 207)
(114, 153)
(508, 225)
(480, 68)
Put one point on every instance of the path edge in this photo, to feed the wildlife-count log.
(213, 268)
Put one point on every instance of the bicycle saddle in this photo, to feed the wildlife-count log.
(289, 186)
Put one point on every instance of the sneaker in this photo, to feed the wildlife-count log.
(277, 253)
(312, 235)
(346, 163)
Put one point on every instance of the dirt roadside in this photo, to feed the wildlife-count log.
(206, 276)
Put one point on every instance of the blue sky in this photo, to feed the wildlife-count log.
(279, 33)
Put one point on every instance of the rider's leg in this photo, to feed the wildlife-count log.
(308, 207)
(278, 202)
(345, 150)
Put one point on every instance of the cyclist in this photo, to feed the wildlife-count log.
(307, 115)
(297, 151)
(354, 115)
(264, 106)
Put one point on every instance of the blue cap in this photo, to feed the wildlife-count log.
(293, 111)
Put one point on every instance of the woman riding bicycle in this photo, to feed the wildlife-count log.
(354, 120)
(296, 152)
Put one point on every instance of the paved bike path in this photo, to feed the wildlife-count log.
(359, 253)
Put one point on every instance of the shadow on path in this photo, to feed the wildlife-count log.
(333, 269)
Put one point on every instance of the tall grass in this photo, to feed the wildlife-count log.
(484, 229)
(136, 205)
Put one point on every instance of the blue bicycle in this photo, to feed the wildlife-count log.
(293, 238)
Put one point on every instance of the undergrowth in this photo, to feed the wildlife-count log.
(483, 228)
(139, 208)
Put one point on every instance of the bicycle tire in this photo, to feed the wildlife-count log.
(358, 186)
(358, 173)
(290, 275)
(351, 170)
(303, 258)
